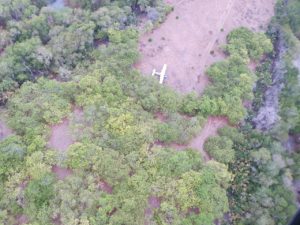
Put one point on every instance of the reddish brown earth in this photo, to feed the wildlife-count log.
(60, 172)
(191, 32)
(60, 140)
(104, 186)
(5, 131)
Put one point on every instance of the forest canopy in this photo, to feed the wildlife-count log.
(72, 68)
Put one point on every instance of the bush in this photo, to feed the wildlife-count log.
(220, 148)
(178, 129)
(12, 153)
(245, 43)
(294, 16)
(38, 194)
(36, 105)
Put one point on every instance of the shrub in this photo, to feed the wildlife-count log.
(220, 148)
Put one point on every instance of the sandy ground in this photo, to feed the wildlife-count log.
(191, 32)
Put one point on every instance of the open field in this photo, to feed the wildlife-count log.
(192, 32)
(191, 39)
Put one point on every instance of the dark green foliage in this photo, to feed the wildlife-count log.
(21, 63)
(196, 190)
(263, 73)
(36, 105)
(69, 46)
(245, 43)
(12, 153)
(39, 192)
(16, 10)
(191, 104)
(117, 168)
(170, 163)
(178, 129)
(38, 195)
(261, 187)
(232, 79)
(76, 199)
(294, 16)
(220, 148)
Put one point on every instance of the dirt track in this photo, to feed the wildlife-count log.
(190, 40)
(210, 129)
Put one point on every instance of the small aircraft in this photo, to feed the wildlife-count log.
(162, 75)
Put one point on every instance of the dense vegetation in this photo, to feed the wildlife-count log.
(54, 62)
(267, 166)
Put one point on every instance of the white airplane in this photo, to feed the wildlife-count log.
(162, 75)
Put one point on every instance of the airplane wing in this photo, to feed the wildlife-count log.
(161, 78)
(164, 69)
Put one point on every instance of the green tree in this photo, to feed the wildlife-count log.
(220, 148)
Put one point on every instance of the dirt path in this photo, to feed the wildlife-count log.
(210, 129)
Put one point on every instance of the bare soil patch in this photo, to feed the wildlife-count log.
(60, 172)
(5, 131)
(22, 219)
(190, 38)
(60, 138)
(104, 186)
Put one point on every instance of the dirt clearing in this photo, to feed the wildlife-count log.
(190, 38)
(5, 131)
(60, 140)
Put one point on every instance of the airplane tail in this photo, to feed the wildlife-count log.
(153, 72)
